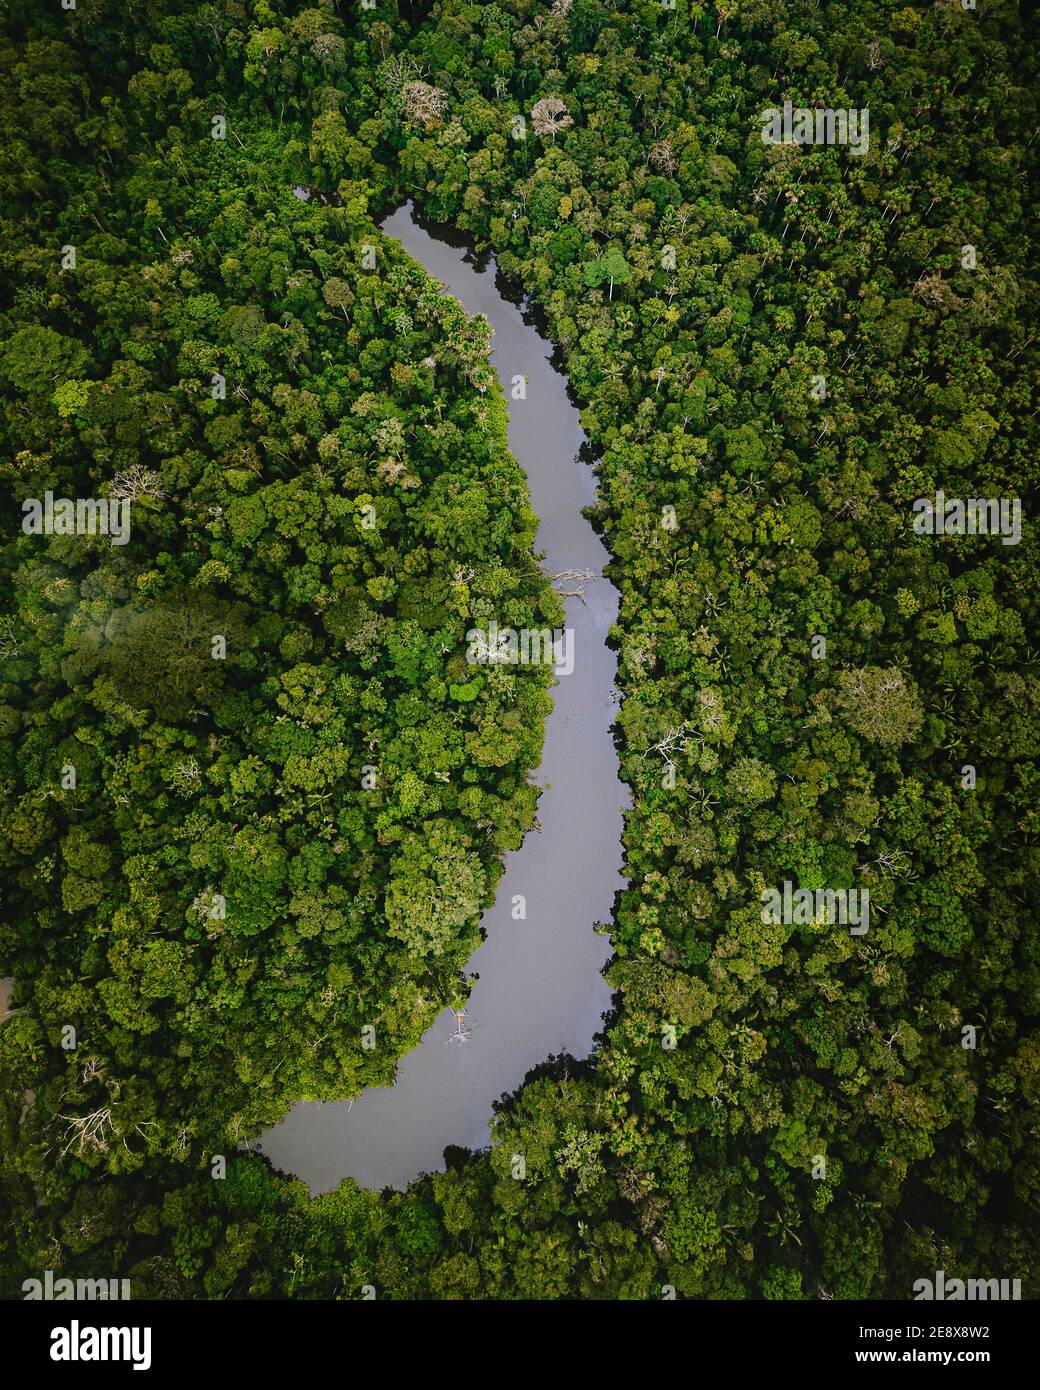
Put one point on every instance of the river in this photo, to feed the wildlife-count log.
(540, 989)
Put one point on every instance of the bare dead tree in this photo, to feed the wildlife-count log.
(423, 104)
(87, 1131)
(579, 578)
(136, 482)
(396, 72)
(662, 158)
(460, 1034)
(677, 740)
(550, 116)
(9, 645)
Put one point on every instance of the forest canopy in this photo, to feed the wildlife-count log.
(778, 349)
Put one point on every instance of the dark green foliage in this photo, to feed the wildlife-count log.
(700, 285)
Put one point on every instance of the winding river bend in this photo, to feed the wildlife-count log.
(540, 989)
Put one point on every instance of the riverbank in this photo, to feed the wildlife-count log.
(540, 991)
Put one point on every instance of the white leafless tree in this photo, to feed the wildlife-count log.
(460, 1034)
(423, 104)
(8, 641)
(580, 578)
(136, 482)
(397, 71)
(662, 158)
(550, 117)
